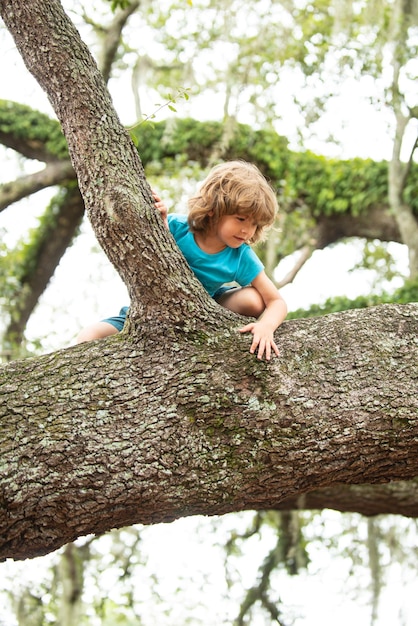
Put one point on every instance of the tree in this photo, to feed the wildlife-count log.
(355, 193)
(391, 28)
(194, 423)
(281, 37)
(35, 136)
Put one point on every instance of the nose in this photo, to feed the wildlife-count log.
(247, 229)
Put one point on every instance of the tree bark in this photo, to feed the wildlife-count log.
(54, 174)
(399, 498)
(174, 417)
(148, 428)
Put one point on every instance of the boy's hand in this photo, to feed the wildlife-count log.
(160, 206)
(262, 339)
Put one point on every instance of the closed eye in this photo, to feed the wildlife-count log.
(249, 221)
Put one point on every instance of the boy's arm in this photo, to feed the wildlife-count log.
(274, 314)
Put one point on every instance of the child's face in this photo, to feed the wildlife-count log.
(234, 230)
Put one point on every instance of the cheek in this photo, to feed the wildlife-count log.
(229, 229)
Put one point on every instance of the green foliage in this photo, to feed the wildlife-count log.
(8, 279)
(266, 148)
(377, 257)
(323, 186)
(330, 186)
(177, 137)
(190, 140)
(32, 127)
(119, 4)
(410, 194)
(315, 24)
(405, 294)
(17, 264)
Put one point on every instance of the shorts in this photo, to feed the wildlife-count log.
(220, 292)
(119, 320)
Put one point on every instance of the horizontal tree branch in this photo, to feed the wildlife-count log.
(375, 222)
(26, 146)
(174, 416)
(53, 174)
(396, 498)
(125, 431)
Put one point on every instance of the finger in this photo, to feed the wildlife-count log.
(246, 329)
(268, 351)
(254, 345)
(162, 209)
(261, 349)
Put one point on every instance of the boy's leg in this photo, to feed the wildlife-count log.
(243, 300)
(96, 331)
(109, 326)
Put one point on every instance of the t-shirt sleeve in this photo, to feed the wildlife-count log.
(173, 223)
(249, 267)
(178, 225)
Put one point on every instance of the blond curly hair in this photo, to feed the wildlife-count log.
(233, 187)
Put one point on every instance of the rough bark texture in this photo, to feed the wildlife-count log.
(400, 498)
(166, 424)
(174, 417)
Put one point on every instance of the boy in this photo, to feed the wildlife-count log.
(231, 210)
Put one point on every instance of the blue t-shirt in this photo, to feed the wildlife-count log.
(240, 265)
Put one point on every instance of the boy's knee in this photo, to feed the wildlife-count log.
(254, 305)
(246, 301)
(87, 334)
(96, 331)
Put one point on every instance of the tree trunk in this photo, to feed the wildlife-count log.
(174, 417)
